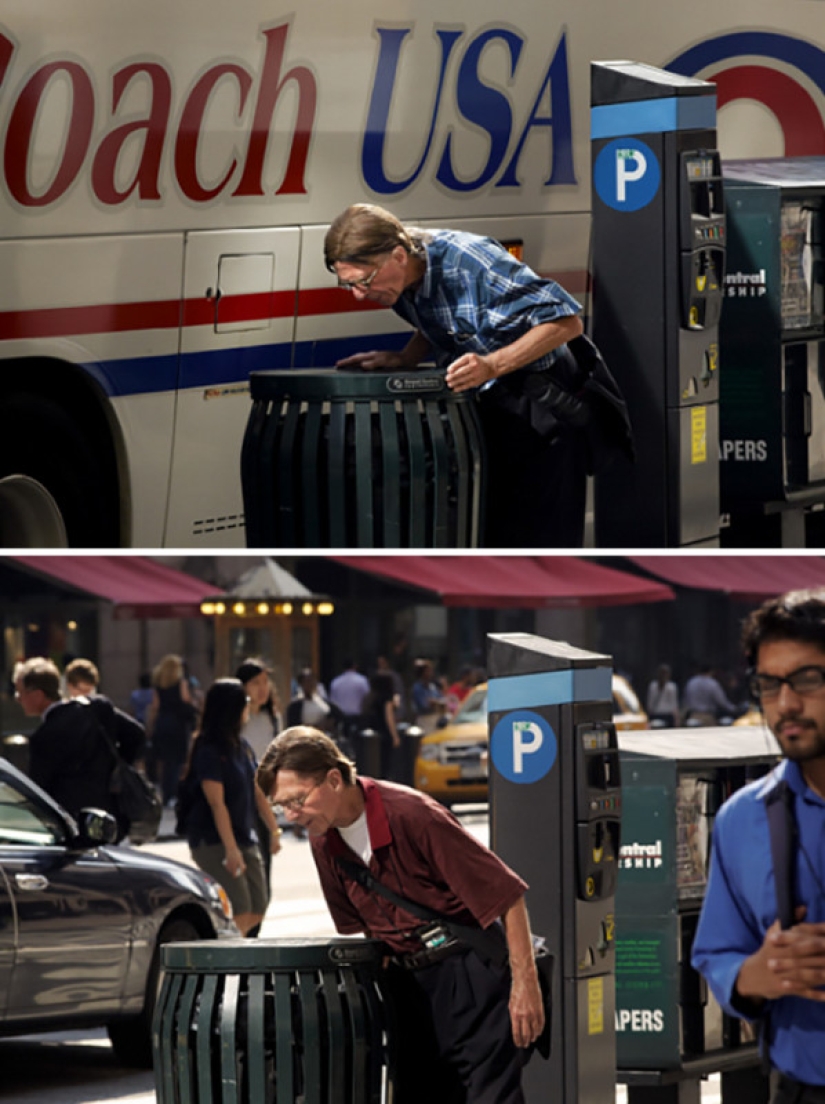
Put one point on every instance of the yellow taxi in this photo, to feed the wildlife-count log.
(753, 716)
(452, 761)
(627, 709)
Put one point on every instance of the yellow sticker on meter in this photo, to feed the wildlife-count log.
(698, 435)
(595, 1006)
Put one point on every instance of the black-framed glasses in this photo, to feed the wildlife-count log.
(804, 680)
(295, 804)
(361, 285)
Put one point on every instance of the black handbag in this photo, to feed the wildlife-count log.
(578, 393)
(488, 943)
(134, 796)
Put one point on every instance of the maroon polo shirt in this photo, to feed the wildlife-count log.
(422, 853)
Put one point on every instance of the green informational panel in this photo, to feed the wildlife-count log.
(647, 979)
(673, 781)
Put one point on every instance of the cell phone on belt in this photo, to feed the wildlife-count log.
(435, 936)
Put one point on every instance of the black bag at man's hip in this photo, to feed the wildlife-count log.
(578, 392)
(136, 800)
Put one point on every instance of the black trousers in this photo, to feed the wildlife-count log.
(536, 485)
(455, 1042)
(788, 1091)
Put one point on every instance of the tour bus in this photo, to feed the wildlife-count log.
(169, 168)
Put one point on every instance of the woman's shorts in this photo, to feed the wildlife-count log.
(247, 893)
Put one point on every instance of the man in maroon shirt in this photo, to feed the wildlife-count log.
(466, 1019)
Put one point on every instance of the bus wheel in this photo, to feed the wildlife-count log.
(29, 516)
(58, 477)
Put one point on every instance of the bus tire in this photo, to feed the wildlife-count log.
(46, 456)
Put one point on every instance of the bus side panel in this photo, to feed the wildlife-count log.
(108, 307)
(238, 317)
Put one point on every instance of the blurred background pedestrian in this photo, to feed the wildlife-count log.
(221, 824)
(141, 698)
(262, 724)
(171, 723)
(704, 701)
(379, 715)
(429, 702)
(663, 698)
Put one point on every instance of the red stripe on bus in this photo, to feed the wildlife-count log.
(170, 314)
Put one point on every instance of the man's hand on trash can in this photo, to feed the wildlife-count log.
(470, 370)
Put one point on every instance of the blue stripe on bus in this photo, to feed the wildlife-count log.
(218, 367)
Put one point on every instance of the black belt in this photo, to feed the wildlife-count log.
(803, 1094)
(417, 960)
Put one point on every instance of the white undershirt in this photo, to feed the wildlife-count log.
(357, 836)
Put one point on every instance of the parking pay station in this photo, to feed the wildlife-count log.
(658, 268)
(555, 806)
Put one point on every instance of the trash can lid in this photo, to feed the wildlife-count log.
(225, 956)
(332, 384)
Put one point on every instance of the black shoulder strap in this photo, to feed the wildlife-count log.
(779, 806)
(492, 947)
(359, 873)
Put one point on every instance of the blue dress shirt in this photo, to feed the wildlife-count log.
(740, 906)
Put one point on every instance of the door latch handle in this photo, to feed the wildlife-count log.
(31, 881)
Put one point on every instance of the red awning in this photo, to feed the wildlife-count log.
(138, 587)
(532, 582)
(749, 578)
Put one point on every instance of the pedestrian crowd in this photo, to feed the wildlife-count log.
(706, 698)
(201, 750)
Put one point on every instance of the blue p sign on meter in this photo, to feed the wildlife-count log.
(626, 174)
(523, 746)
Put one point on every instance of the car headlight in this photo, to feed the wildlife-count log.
(429, 752)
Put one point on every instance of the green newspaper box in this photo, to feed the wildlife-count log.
(673, 782)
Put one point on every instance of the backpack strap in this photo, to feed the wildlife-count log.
(779, 806)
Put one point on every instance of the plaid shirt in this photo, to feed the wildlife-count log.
(477, 298)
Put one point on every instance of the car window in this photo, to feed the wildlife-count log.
(24, 823)
(473, 708)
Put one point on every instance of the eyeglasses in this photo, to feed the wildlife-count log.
(295, 804)
(804, 680)
(361, 285)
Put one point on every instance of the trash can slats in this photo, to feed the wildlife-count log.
(285, 1078)
(183, 1057)
(229, 1051)
(354, 459)
(275, 1022)
(256, 1044)
(203, 1021)
(337, 477)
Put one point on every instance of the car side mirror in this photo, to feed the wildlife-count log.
(97, 828)
(442, 721)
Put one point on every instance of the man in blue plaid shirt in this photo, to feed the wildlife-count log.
(481, 315)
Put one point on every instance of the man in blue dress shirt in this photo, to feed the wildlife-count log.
(483, 316)
(755, 969)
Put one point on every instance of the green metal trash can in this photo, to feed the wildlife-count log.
(273, 1022)
(336, 459)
